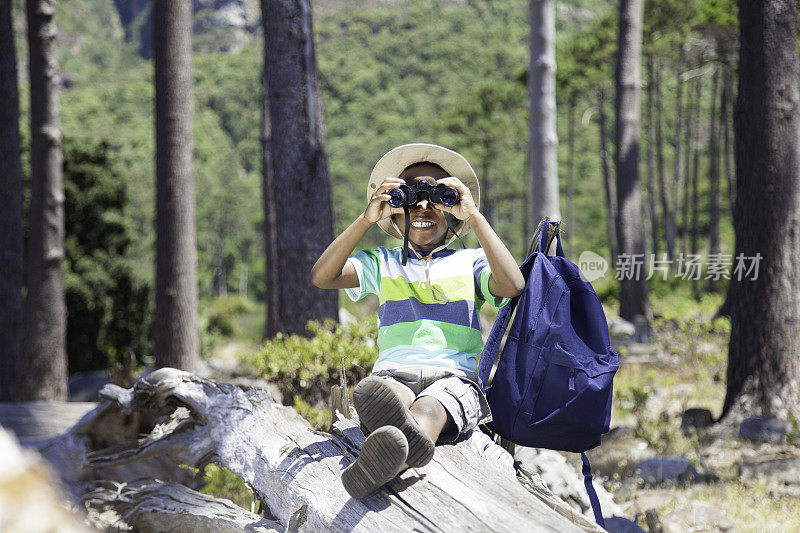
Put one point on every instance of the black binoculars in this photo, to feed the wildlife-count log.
(437, 194)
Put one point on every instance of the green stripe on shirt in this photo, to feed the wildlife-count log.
(457, 288)
(431, 334)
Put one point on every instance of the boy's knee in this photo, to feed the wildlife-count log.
(429, 408)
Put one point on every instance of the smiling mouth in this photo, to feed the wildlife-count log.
(422, 224)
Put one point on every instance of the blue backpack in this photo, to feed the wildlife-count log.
(551, 386)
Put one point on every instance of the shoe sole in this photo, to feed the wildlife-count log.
(381, 459)
(377, 405)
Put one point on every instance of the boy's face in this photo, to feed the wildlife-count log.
(428, 225)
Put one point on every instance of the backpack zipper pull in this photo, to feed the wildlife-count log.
(571, 379)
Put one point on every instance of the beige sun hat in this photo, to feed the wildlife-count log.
(396, 160)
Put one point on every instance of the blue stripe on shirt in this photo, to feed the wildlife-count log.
(461, 312)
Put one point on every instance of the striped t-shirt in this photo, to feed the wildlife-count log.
(428, 312)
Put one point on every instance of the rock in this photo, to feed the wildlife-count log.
(565, 480)
(642, 329)
(619, 328)
(31, 497)
(759, 429)
(643, 500)
(695, 418)
(84, 386)
(619, 524)
(697, 516)
(781, 470)
(619, 453)
(665, 472)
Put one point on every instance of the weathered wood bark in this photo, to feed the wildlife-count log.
(763, 367)
(634, 292)
(542, 122)
(298, 201)
(175, 335)
(293, 469)
(11, 256)
(42, 370)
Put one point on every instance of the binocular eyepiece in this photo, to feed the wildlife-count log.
(406, 195)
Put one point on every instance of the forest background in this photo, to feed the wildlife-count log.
(452, 73)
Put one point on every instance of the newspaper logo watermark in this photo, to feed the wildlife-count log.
(592, 266)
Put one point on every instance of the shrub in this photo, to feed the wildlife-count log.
(309, 366)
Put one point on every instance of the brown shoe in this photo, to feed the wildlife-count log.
(381, 459)
(377, 405)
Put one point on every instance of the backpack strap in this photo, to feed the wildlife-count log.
(491, 349)
(545, 240)
(587, 481)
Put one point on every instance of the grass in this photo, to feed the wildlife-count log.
(751, 508)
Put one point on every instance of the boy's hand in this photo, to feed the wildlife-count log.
(465, 208)
(378, 207)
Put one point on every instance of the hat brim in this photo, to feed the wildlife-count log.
(398, 159)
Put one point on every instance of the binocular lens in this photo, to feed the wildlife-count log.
(449, 196)
(397, 197)
(438, 194)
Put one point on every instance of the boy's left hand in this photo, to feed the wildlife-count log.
(465, 208)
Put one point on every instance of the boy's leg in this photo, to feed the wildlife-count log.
(432, 417)
(382, 402)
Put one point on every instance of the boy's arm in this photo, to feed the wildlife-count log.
(506, 279)
(332, 271)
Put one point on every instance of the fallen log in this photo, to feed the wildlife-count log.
(293, 470)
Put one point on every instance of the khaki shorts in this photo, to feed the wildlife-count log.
(461, 397)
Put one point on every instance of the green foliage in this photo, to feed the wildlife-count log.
(310, 365)
(108, 307)
(221, 315)
(222, 483)
(319, 418)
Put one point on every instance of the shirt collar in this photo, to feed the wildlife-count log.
(435, 254)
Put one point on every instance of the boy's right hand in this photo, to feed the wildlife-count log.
(378, 207)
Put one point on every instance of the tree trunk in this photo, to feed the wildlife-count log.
(297, 193)
(713, 175)
(175, 335)
(650, 185)
(11, 256)
(608, 184)
(542, 96)
(687, 171)
(763, 367)
(695, 176)
(571, 178)
(680, 176)
(730, 169)
(42, 372)
(634, 298)
(663, 188)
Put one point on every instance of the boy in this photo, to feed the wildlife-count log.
(424, 385)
